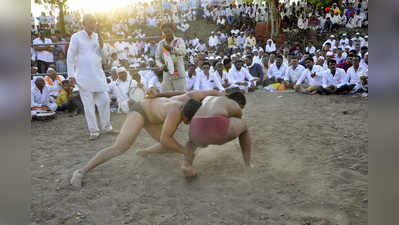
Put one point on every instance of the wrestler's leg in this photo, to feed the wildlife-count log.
(131, 128)
(238, 128)
(188, 169)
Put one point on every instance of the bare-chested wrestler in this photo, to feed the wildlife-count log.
(160, 117)
(217, 121)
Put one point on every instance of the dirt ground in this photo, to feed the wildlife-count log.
(311, 165)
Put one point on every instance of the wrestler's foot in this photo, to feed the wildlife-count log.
(189, 171)
(76, 179)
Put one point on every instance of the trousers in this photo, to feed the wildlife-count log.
(102, 101)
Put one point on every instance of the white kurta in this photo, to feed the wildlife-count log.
(292, 74)
(42, 98)
(308, 79)
(338, 80)
(84, 64)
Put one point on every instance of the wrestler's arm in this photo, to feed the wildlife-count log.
(169, 127)
(170, 94)
(199, 95)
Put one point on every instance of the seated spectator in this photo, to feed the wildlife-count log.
(221, 75)
(190, 77)
(60, 64)
(334, 80)
(250, 41)
(346, 63)
(356, 74)
(136, 88)
(276, 72)
(122, 89)
(40, 97)
(68, 100)
(254, 69)
(53, 83)
(311, 79)
(293, 73)
(240, 77)
(341, 56)
(270, 46)
(205, 81)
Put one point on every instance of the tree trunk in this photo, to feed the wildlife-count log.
(273, 18)
(61, 22)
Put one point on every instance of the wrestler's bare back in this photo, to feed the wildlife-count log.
(218, 106)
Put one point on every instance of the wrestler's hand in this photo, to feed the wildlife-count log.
(152, 93)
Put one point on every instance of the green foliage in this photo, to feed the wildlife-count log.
(322, 3)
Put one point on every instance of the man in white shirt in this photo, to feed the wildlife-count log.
(213, 40)
(311, 79)
(44, 53)
(204, 80)
(293, 73)
(169, 57)
(85, 70)
(334, 79)
(270, 46)
(40, 96)
(277, 70)
(240, 77)
(356, 75)
(190, 77)
(53, 83)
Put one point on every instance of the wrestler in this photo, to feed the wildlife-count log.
(217, 121)
(160, 117)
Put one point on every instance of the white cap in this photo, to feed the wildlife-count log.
(344, 34)
(321, 57)
(357, 33)
(233, 55)
(122, 69)
(218, 57)
(332, 36)
(366, 36)
(35, 67)
(50, 69)
(329, 53)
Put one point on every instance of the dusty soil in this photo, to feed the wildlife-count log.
(310, 155)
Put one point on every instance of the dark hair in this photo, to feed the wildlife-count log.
(351, 55)
(328, 43)
(206, 63)
(357, 56)
(331, 61)
(190, 108)
(65, 82)
(364, 48)
(279, 57)
(309, 58)
(226, 61)
(238, 97)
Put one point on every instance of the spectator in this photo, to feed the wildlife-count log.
(44, 52)
(60, 64)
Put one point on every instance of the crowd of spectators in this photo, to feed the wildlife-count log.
(231, 58)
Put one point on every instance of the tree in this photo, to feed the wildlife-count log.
(273, 17)
(60, 4)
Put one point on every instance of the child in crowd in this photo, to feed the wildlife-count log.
(67, 100)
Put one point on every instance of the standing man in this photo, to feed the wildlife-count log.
(169, 57)
(85, 70)
(44, 51)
